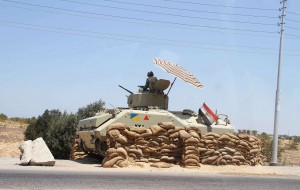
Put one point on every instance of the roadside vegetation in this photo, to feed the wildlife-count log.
(58, 128)
(286, 143)
(4, 118)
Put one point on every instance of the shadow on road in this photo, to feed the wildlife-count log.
(89, 159)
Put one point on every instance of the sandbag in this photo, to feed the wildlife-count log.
(193, 129)
(215, 135)
(122, 152)
(167, 159)
(166, 125)
(191, 162)
(110, 163)
(137, 152)
(154, 160)
(138, 130)
(112, 155)
(147, 133)
(131, 134)
(191, 156)
(118, 126)
(184, 135)
(157, 129)
(121, 139)
(194, 134)
(174, 135)
(168, 146)
(113, 133)
(224, 138)
(192, 140)
(123, 164)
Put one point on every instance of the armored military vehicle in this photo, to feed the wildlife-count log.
(147, 108)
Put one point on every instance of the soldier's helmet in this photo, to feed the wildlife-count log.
(150, 74)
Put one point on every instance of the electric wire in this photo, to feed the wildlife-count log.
(292, 13)
(139, 41)
(168, 14)
(224, 6)
(146, 20)
(121, 36)
(291, 35)
(143, 23)
(184, 9)
(132, 36)
(294, 28)
(190, 10)
(292, 20)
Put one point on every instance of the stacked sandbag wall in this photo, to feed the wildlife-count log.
(76, 152)
(229, 149)
(165, 144)
(162, 145)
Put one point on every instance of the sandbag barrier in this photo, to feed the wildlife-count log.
(161, 145)
(76, 152)
(165, 144)
(229, 149)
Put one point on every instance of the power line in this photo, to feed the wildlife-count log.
(190, 10)
(291, 35)
(124, 38)
(168, 14)
(136, 22)
(292, 20)
(224, 6)
(131, 36)
(146, 20)
(292, 13)
(294, 28)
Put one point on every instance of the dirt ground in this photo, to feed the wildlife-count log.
(12, 134)
(291, 157)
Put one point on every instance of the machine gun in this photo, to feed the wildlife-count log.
(125, 89)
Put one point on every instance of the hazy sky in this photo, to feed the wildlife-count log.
(66, 54)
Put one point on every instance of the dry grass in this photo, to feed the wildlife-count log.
(291, 157)
(11, 136)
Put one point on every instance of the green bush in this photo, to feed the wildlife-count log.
(90, 110)
(20, 120)
(3, 117)
(296, 139)
(292, 146)
(61, 135)
(58, 129)
(267, 149)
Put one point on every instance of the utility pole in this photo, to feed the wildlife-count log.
(277, 101)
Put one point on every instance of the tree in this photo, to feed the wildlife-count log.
(58, 129)
(43, 123)
(267, 147)
(90, 110)
(3, 117)
(254, 132)
(61, 135)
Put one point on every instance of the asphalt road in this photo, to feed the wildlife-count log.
(40, 179)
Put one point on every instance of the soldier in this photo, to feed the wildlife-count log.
(151, 80)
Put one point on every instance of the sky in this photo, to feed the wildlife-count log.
(66, 54)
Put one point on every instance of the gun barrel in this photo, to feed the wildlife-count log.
(126, 89)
